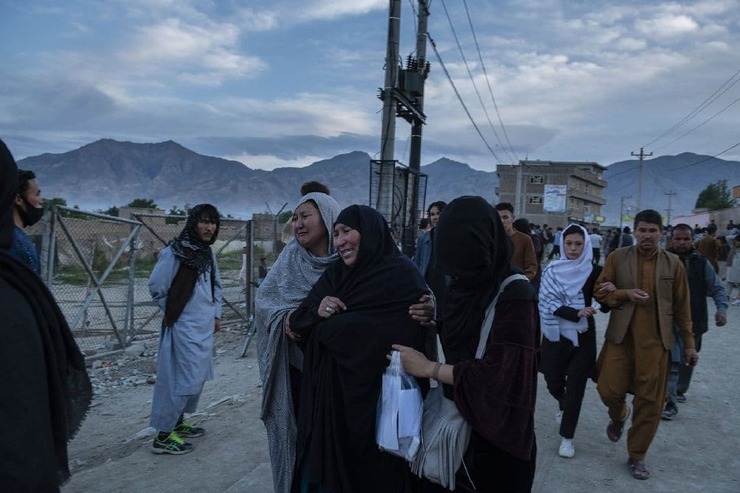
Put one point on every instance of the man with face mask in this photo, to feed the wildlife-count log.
(27, 210)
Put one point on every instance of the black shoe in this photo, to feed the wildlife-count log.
(680, 397)
(670, 411)
(187, 430)
(173, 444)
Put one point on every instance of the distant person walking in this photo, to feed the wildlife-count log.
(596, 241)
(186, 285)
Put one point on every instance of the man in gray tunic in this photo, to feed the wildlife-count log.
(186, 285)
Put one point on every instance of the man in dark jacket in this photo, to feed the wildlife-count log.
(703, 282)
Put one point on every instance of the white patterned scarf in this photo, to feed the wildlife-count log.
(562, 285)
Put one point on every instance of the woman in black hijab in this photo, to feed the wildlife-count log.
(44, 386)
(497, 393)
(356, 310)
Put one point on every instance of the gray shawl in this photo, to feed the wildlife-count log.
(290, 279)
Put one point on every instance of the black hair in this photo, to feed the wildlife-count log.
(439, 204)
(683, 226)
(504, 206)
(573, 228)
(24, 176)
(649, 216)
(522, 225)
(314, 186)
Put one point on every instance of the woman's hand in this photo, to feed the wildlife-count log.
(415, 363)
(329, 306)
(587, 312)
(423, 312)
(607, 286)
(286, 327)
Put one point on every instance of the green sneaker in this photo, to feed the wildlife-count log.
(187, 430)
(173, 444)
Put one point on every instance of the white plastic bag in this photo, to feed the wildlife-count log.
(398, 423)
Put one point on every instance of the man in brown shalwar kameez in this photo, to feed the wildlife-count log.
(647, 290)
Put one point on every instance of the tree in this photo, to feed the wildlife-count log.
(111, 211)
(49, 203)
(143, 204)
(284, 217)
(715, 196)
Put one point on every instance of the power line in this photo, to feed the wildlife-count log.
(488, 82)
(472, 80)
(459, 98)
(709, 100)
(700, 125)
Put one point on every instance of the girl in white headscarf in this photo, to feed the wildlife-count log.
(568, 329)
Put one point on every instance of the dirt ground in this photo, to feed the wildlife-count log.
(698, 451)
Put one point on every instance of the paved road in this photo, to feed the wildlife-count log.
(699, 451)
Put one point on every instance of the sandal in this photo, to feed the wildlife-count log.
(615, 428)
(638, 469)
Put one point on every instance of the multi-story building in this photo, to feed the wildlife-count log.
(555, 193)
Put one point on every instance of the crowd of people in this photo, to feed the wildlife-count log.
(340, 297)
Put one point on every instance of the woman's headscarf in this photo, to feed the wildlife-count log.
(376, 239)
(470, 245)
(68, 391)
(288, 282)
(562, 285)
(196, 258)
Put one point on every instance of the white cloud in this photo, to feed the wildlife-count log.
(667, 26)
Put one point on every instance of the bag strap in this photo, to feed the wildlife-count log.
(485, 329)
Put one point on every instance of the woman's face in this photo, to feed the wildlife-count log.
(573, 244)
(347, 243)
(309, 228)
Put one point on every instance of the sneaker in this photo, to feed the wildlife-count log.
(566, 449)
(187, 430)
(670, 411)
(735, 302)
(559, 416)
(680, 397)
(173, 444)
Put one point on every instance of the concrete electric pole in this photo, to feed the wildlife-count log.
(639, 179)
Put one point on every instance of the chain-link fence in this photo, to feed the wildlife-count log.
(98, 267)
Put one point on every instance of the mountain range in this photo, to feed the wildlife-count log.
(109, 173)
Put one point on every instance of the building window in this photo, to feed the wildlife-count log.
(536, 199)
(536, 180)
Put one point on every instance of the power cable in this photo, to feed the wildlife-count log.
(459, 97)
(472, 80)
(701, 124)
(488, 82)
(709, 100)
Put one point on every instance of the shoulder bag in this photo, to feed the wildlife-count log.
(444, 432)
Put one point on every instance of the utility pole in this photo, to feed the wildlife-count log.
(402, 96)
(388, 133)
(639, 179)
(417, 68)
(670, 194)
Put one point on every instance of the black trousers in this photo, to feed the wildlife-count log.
(685, 372)
(567, 369)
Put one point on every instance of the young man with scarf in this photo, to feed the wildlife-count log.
(27, 210)
(186, 285)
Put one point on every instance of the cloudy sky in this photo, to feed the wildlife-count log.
(276, 83)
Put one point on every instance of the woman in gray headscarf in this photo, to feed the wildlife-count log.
(294, 273)
(288, 282)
